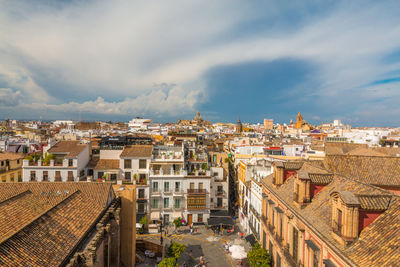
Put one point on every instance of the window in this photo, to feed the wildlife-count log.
(177, 186)
(280, 226)
(12, 177)
(211, 200)
(315, 258)
(200, 186)
(70, 163)
(155, 203)
(271, 252)
(155, 186)
(200, 218)
(339, 221)
(128, 176)
(142, 178)
(2, 163)
(3, 179)
(166, 202)
(295, 243)
(220, 189)
(219, 202)
(127, 163)
(90, 172)
(113, 177)
(19, 177)
(191, 185)
(142, 163)
(18, 161)
(166, 186)
(45, 175)
(141, 193)
(177, 203)
(264, 243)
(100, 175)
(58, 176)
(33, 176)
(70, 176)
(141, 207)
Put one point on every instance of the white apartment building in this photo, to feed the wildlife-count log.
(70, 160)
(250, 193)
(135, 162)
(175, 192)
(219, 189)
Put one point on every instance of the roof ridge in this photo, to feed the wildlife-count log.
(37, 217)
(15, 196)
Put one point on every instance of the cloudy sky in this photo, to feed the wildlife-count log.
(165, 59)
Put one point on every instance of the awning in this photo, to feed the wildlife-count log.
(251, 239)
(220, 220)
(219, 213)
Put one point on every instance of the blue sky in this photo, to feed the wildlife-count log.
(254, 59)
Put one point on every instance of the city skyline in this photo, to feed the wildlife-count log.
(98, 60)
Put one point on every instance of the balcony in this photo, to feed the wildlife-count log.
(271, 228)
(254, 231)
(196, 191)
(178, 192)
(264, 219)
(288, 257)
(167, 191)
(253, 210)
(219, 193)
(155, 191)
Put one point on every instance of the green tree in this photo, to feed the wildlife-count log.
(30, 158)
(168, 262)
(144, 220)
(176, 249)
(258, 257)
(178, 223)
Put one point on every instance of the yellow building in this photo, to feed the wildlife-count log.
(11, 167)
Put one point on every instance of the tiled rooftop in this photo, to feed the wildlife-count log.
(41, 223)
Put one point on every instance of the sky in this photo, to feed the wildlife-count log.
(115, 60)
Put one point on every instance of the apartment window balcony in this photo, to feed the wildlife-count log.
(253, 210)
(178, 191)
(196, 191)
(219, 192)
(254, 231)
(288, 257)
(155, 191)
(167, 191)
(271, 228)
(264, 219)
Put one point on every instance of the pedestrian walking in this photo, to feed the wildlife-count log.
(191, 231)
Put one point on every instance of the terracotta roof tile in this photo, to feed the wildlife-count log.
(107, 164)
(71, 148)
(44, 223)
(10, 156)
(137, 151)
(371, 170)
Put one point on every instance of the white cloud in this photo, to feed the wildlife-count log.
(119, 49)
(9, 97)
